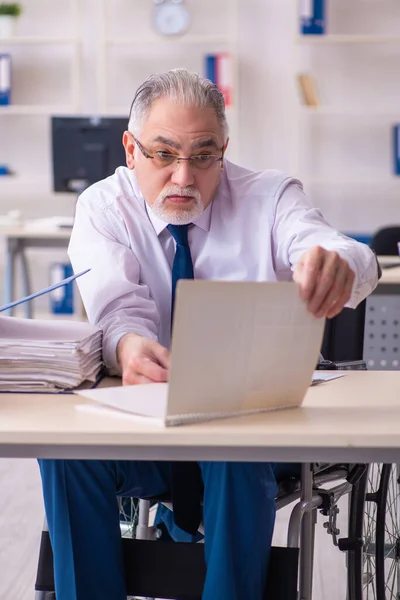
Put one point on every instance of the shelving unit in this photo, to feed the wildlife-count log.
(41, 63)
(75, 70)
(345, 146)
(150, 52)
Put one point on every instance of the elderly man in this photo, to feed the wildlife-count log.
(179, 209)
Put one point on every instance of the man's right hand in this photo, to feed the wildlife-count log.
(142, 360)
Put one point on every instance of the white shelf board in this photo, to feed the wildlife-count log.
(347, 39)
(354, 181)
(353, 111)
(24, 180)
(37, 109)
(184, 39)
(14, 41)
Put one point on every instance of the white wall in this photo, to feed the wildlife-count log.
(273, 132)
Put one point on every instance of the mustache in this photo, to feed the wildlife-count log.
(178, 191)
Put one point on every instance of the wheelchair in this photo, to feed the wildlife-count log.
(174, 570)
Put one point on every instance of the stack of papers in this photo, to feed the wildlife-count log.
(49, 356)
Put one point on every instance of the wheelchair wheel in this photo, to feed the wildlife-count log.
(374, 529)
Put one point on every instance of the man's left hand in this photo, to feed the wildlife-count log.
(325, 280)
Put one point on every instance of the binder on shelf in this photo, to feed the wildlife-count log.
(210, 71)
(312, 17)
(308, 89)
(396, 148)
(218, 68)
(225, 76)
(5, 79)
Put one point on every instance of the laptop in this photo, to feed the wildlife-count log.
(237, 348)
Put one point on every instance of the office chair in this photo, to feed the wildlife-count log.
(177, 570)
(385, 240)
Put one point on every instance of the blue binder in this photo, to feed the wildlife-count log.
(396, 149)
(313, 16)
(211, 67)
(5, 79)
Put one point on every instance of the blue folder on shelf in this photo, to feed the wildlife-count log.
(5, 79)
(396, 149)
(312, 17)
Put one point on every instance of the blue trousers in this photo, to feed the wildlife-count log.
(82, 512)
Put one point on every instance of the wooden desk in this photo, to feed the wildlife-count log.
(18, 239)
(355, 418)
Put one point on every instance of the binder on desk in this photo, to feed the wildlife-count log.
(5, 79)
(312, 17)
(396, 149)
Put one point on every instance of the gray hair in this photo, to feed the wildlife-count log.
(186, 88)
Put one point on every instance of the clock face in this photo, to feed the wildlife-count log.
(171, 18)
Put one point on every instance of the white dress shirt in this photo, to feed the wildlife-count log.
(256, 229)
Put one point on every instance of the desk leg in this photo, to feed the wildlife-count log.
(9, 279)
(26, 286)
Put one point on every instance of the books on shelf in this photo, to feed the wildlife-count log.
(312, 17)
(47, 355)
(5, 79)
(308, 89)
(396, 149)
(219, 69)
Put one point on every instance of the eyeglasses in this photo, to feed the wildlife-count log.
(163, 158)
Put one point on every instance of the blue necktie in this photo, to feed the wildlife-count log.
(182, 267)
(186, 480)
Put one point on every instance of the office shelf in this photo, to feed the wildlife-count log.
(347, 39)
(353, 111)
(183, 39)
(189, 47)
(21, 40)
(351, 181)
(37, 109)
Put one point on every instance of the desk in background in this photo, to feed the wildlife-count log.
(18, 240)
(382, 320)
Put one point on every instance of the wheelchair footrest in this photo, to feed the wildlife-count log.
(176, 570)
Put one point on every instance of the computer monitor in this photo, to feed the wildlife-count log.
(85, 150)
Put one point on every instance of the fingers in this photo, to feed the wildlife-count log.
(330, 284)
(161, 354)
(307, 272)
(325, 281)
(143, 361)
(143, 365)
(336, 307)
(132, 378)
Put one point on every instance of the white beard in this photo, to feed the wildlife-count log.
(179, 216)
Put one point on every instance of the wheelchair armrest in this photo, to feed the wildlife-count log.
(342, 365)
